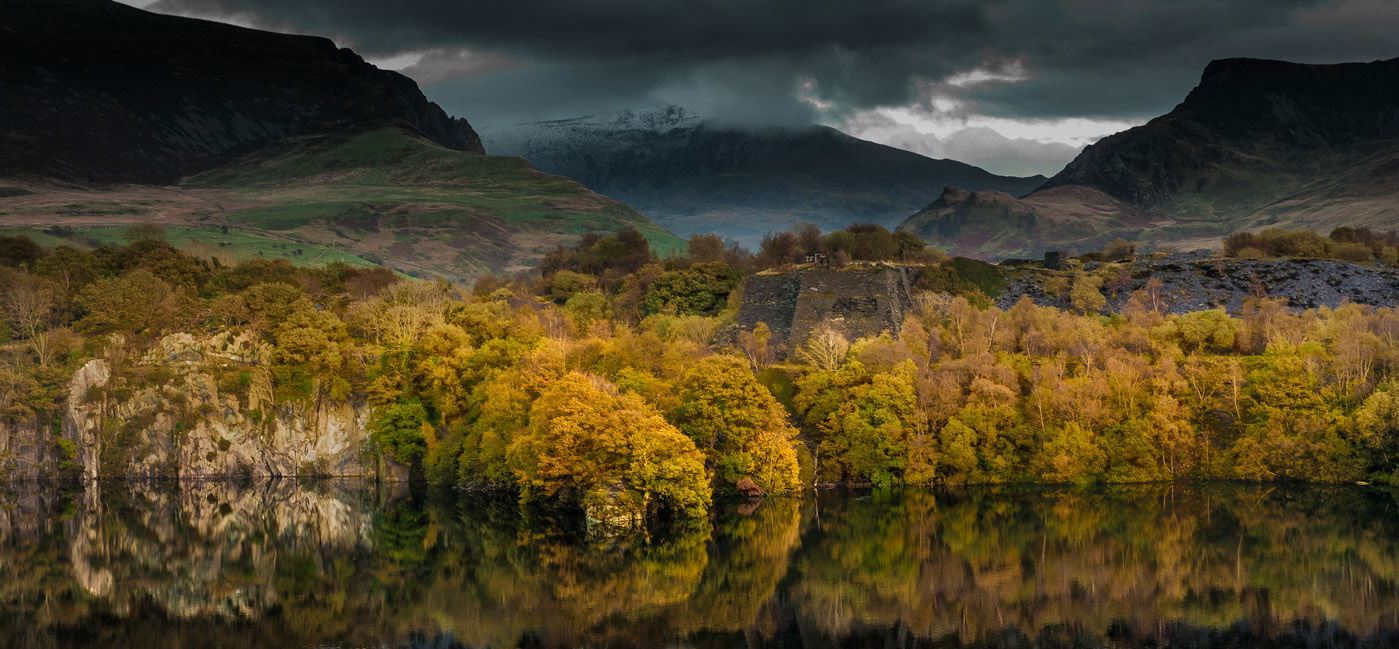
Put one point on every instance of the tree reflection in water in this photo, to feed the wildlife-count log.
(348, 563)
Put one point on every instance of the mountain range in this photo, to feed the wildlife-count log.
(692, 175)
(254, 143)
(1256, 144)
(248, 143)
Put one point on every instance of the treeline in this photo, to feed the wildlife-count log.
(616, 382)
(858, 242)
(64, 306)
(611, 257)
(1346, 244)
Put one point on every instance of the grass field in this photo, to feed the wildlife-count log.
(202, 240)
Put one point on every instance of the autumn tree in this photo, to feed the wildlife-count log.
(738, 425)
(868, 425)
(610, 453)
(761, 346)
(28, 303)
(136, 302)
(825, 347)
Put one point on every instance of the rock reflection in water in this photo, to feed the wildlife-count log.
(349, 563)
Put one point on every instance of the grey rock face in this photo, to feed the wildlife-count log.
(188, 428)
(1194, 285)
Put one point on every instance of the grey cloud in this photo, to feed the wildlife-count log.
(980, 146)
(744, 59)
(441, 64)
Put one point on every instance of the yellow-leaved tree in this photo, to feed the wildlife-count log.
(613, 454)
(738, 424)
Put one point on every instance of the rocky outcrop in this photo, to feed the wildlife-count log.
(189, 427)
(27, 450)
(1195, 285)
(1247, 116)
(861, 301)
(92, 95)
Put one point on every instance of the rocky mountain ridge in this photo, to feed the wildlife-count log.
(93, 95)
(694, 176)
(997, 225)
(1246, 116)
(1256, 144)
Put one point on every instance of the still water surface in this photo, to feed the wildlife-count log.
(349, 564)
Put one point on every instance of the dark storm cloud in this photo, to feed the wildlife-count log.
(694, 29)
(752, 60)
(743, 57)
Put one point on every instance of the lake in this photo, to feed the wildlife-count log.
(352, 564)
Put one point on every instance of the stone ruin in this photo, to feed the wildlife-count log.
(862, 301)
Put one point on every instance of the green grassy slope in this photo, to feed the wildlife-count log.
(415, 205)
(382, 196)
(233, 245)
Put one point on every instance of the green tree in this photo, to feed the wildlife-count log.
(313, 351)
(699, 290)
(143, 232)
(565, 284)
(1211, 330)
(1086, 293)
(738, 424)
(397, 429)
(1290, 430)
(869, 435)
(20, 252)
(136, 302)
(1071, 454)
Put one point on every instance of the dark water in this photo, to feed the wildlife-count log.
(346, 564)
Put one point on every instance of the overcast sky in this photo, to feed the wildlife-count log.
(1015, 86)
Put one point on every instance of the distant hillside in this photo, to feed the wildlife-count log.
(251, 143)
(385, 196)
(693, 177)
(997, 225)
(1256, 144)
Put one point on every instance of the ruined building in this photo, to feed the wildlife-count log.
(862, 301)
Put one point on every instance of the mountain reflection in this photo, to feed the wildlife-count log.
(348, 563)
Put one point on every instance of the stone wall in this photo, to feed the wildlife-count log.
(1197, 284)
(862, 301)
